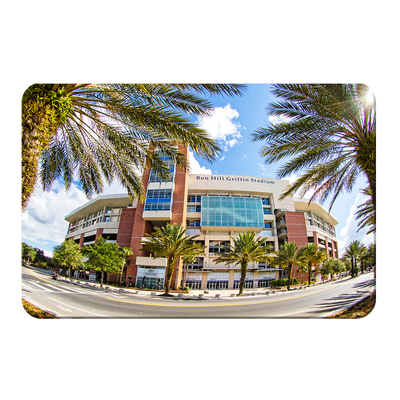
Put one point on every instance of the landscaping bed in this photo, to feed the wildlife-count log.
(359, 310)
(34, 311)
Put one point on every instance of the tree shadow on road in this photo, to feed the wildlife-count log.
(335, 303)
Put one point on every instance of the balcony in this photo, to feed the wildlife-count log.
(281, 223)
(279, 212)
(282, 233)
(151, 262)
(157, 215)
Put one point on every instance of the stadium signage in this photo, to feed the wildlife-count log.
(232, 179)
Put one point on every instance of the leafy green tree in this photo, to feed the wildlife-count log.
(245, 249)
(333, 266)
(169, 242)
(103, 257)
(312, 255)
(94, 132)
(68, 255)
(28, 253)
(329, 135)
(287, 256)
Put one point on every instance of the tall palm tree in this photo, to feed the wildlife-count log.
(246, 248)
(126, 252)
(366, 212)
(353, 252)
(286, 257)
(97, 132)
(312, 255)
(169, 242)
(329, 131)
(190, 257)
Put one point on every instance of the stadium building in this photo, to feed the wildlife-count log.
(215, 207)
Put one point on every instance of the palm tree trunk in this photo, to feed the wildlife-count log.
(170, 270)
(309, 274)
(242, 278)
(185, 275)
(289, 275)
(122, 271)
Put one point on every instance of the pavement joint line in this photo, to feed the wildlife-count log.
(217, 305)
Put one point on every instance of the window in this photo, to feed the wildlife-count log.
(171, 167)
(265, 202)
(106, 219)
(158, 200)
(268, 225)
(194, 199)
(267, 211)
(215, 246)
(193, 208)
(231, 211)
(108, 210)
(193, 222)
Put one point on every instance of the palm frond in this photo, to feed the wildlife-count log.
(329, 138)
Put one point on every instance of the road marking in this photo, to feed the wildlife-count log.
(40, 286)
(26, 287)
(218, 305)
(65, 309)
(100, 315)
(31, 273)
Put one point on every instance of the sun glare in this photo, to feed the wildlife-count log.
(370, 97)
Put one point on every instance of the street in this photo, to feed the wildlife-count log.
(67, 300)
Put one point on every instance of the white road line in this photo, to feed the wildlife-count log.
(40, 286)
(100, 315)
(26, 287)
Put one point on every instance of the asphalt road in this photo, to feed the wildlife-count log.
(66, 300)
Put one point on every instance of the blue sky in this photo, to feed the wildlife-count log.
(232, 122)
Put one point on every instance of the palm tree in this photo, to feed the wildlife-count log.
(190, 257)
(97, 132)
(302, 268)
(246, 248)
(312, 255)
(353, 252)
(126, 252)
(169, 242)
(330, 134)
(366, 213)
(286, 257)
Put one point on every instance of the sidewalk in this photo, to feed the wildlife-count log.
(191, 294)
(194, 294)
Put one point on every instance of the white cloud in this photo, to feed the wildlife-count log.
(263, 167)
(349, 233)
(220, 126)
(43, 220)
(195, 167)
(222, 158)
(307, 195)
(278, 119)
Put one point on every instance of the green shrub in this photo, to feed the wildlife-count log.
(284, 282)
